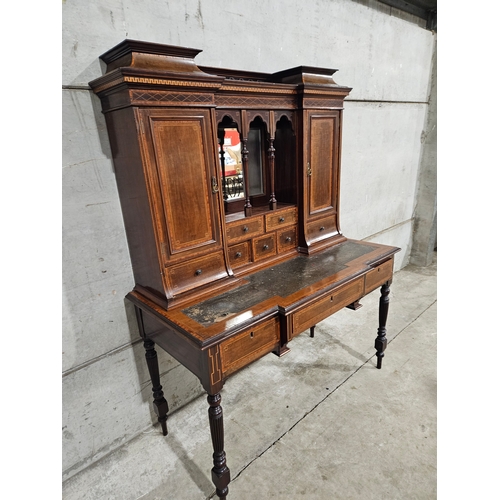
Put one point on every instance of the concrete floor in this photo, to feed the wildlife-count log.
(322, 422)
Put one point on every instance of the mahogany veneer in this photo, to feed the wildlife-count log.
(224, 278)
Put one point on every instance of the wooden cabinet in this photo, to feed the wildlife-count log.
(229, 188)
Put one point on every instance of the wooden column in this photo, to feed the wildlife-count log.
(381, 340)
(272, 200)
(244, 162)
(220, 471)
(160, 403)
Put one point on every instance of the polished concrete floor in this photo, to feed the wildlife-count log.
(319, 423)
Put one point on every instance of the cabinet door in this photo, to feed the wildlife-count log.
(322, 132)
(179, 149)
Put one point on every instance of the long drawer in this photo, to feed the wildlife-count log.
(325, 306)
(247, 346)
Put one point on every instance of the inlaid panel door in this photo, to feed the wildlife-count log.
(178, 147)
(322, 133)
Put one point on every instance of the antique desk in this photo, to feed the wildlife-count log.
(229, 187)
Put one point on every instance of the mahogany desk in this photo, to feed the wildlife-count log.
(225, 274)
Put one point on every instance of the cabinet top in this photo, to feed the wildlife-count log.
(136, 57)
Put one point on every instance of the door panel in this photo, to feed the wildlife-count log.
(322, 162)
(180, 159)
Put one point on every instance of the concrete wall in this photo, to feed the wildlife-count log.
(385, 58)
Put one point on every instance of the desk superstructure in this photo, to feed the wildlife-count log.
(229, 186)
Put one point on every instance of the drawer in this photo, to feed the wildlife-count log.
(322, 228)
(264, 246)
(281, 219)
(244, 230)
(287, 239)
(378, 276)
(319, 310)
(249, 345)
(196, 272)
(239, 254)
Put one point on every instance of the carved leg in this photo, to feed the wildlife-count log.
(311, 331)
(220, 471)
(160, 403)
(381, 341)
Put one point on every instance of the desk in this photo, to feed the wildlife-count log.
(221, 282)
(216, 337)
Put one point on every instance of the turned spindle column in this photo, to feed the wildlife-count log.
(221, 135)
(246, 182)
(270, 152)
(160, 403)
(220, 471)
(381, 340)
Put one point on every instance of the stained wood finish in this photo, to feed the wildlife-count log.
(220, 284)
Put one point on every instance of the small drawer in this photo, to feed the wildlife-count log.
(287, 239)
(313, 313)
(264, 247)
(245, 230)
(247, 346)
(196, 272)
(378, 276)
(281, 219)
(239, 254)
(322, 228)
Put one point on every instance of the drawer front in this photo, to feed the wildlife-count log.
(319, 310)
(281, 219)
(196, 272)
(239, 254)
(287, 239)
(321, 228)
(378, 276)
(264, 247)
(245, 230)
(249, 345)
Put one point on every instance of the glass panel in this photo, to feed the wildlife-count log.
(255, 177)
(232, 176)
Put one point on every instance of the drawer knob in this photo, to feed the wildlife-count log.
(245, 229)
(265, 247)
(322, 228)
(198, 272)
(237, 255)
(288, 239)
(251, 335)
(282, 219)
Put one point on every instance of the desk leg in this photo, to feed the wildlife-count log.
(220, 471)
(160, 403)
(311, 331)
(381, 340)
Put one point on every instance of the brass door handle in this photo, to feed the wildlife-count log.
(215, 185)
(309, 171)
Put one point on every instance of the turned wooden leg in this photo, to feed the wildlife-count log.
(220, 471)
(311, 331)
(381, 340)
(160, 403)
